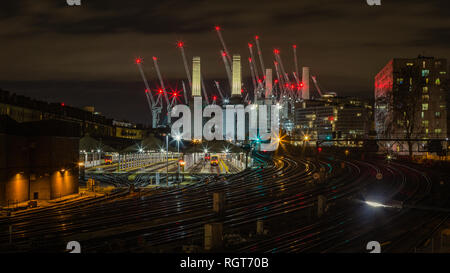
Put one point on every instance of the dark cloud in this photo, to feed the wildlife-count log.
(345, 42)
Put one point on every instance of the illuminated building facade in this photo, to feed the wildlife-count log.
(431, 107)
(333, 118)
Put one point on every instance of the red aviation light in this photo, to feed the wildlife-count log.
(301, 84)
(63, 104)
(331, 118)
(155, 58)
(259, 80)
(214, 98)
(250, 59)
(224, 53)
(160, 91)
(180, 44)
(138, 60)
(292, 86)
(256, 37)
(175, 94)
(250, 45)
(276, 81)
(319, 149)
(294, 46)
(217, 28)
(242, 90)
(276, 51)
(146, 90)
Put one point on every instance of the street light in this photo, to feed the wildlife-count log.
(178, 139)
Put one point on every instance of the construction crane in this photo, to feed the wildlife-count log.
(220, 91)
(317, 85)
(154, 106)
(219, 33)
(180, 45)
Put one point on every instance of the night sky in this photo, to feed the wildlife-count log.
(85, 55)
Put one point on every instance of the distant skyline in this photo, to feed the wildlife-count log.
(84, 55)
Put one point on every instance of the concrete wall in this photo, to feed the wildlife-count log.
(31, 165)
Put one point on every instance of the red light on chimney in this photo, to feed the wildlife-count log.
(155, 58)
(250, 45)
(217, 28)
(180, 44)
(224, 53)
(276, 51)
(256, 37)
(138, 61)
(294, 46)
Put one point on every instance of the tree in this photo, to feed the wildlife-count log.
(406, 102)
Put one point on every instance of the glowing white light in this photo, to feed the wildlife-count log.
(375, 204)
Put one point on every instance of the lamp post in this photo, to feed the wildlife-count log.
(167, 159)
(178, 139)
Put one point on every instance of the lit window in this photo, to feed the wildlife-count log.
(425, 97)
(409, 64)
(437, 114)
(400, 81)
(438, 81)
(422, 114)
(358, 114)
(425, 72)
(437, 131)
(425, 123)
(425, 89)
(424, 106)
(443, 72)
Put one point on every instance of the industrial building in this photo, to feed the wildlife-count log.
(38, 160)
